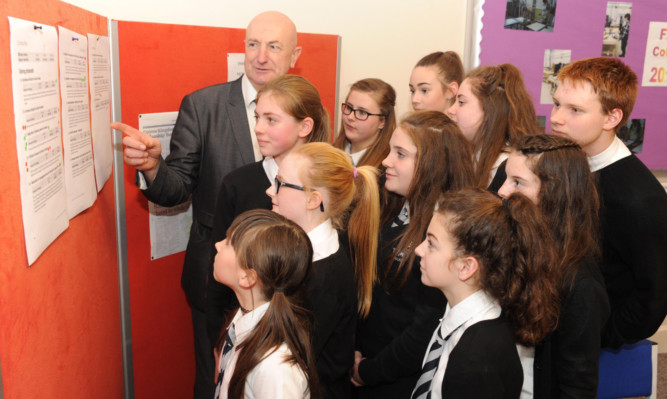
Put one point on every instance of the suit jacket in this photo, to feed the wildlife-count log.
(211, 138)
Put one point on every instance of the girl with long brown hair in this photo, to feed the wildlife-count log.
(367, 122)
(266, 350)
(554, 173)
(428, 157)
(492, 259)
(493, 110)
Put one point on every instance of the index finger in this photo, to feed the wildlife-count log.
(129, 131)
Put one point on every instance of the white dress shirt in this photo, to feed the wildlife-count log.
(270, 168)
(477, 307)
(249, 96)
(324, 239)
(273, 377)
(616, 151)
(357, 155)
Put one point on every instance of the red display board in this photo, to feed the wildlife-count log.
(60, 333)
(159, 64)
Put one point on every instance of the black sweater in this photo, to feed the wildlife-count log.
(567, 361)
(633, 219)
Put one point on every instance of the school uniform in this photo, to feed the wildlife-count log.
(356, 156)
(273, 377)
(332, 296)
(567, 361)
(633, 221)
(395, 335)
(477, 354)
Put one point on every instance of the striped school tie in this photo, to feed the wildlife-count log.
(230, 339)
(423, 387)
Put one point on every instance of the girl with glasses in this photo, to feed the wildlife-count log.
(289, 113)
(266, 351)
(319, 189)
(428, 157)
(435, 80)
(368, 119)
(493, 110)
(554, 173)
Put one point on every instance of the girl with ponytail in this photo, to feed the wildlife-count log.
(554, 173)
(265, 353)
(319, 188)
(493, 260)
(493, 110)
(289, 113)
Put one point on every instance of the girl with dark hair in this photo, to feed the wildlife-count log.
(367, 122)
(320, 190)
(435, 80)
(266, 351)
(428, 156)
(554, 173)
(491, 258)
(493, 110)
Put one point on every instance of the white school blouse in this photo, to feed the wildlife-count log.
(272, 378)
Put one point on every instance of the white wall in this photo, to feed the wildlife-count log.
(380, 38)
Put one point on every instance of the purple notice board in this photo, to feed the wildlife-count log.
(580, 26)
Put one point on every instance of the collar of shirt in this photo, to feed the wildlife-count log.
(615, 152)
(475, 308)
(406, 211)
(270, 168)
(249, 96)
(324, 239)
(245, 323)
(357, 155)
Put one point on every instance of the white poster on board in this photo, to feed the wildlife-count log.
(34, 63)
(99, 75)
(77, 146)
(169, 226)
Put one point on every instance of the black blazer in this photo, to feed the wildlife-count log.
(211, 138)
(484, 363)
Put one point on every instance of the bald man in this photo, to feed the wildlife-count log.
(213, 136)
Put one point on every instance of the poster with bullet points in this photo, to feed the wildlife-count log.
(34, 64)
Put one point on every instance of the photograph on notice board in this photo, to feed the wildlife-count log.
(533, 15)
(616, 29)
(542, 122)
(554, 61)
(632, 134)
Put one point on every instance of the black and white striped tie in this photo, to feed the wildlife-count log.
(230, 339)
(423, 387)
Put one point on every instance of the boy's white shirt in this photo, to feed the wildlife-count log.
(616, 151)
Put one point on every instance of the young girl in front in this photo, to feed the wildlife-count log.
(265, 260)
(320, 190)
(368, 120)
(435, 80)
(493, 110)
(428, 157)
(289, 113)
(554, 173)
(490, 258)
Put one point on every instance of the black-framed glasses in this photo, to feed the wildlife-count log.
(358, 113)
(294, 186)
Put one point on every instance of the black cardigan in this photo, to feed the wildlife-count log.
(567, 361)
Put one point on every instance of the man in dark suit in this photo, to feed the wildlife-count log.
(212, 137)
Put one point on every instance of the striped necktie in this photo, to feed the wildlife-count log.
(423, 387)
(230, 339)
